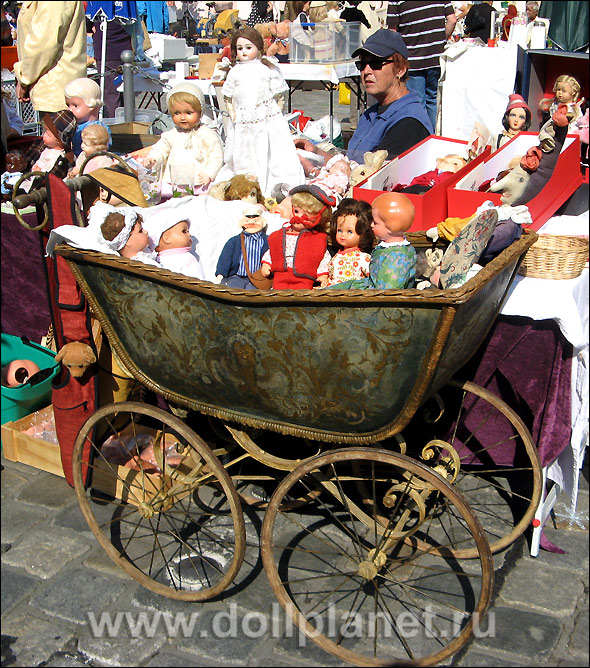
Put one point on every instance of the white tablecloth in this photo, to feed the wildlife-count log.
(566, 302)
(332, 73)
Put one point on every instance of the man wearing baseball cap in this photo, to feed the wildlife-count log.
(398, 120)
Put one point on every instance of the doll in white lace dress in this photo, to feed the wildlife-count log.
(259, 140)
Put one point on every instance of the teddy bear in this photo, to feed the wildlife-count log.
(240, 186)
(77, 357)
(428, 268)
(373, 161)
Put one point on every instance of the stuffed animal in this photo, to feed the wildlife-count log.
(373, 161)
(77, 357)
(428, 268)
(240, 186)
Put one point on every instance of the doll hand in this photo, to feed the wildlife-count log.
(323, 280)
(202, 179)
(148, 162)
(265, 270)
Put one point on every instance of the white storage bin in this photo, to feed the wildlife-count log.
(326, 42)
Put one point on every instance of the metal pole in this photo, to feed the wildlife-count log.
(128, 58)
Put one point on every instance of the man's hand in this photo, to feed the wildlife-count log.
(22, 92)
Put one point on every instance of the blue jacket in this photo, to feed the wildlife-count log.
(229, 259)
(156, 16)
(373, 126)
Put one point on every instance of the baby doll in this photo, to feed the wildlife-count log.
(445, 168)
(16, 165)
(298, 254)
(83, 99)
(334, 177)
(567, 90)
(191, 154)
(57, 138)
(241, 255)
(169, 233)
(517, 118)
(351, 233)
(258, 137)
(95, 138)
(393, 261)
(122, 230)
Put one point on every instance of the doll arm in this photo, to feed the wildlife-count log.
(323, 280)
(265, 269)
(211, 156)
(280, 100)
(159, 152)
(230, 108)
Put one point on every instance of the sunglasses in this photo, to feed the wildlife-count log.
(375, 64)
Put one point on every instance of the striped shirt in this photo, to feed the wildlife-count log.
(422, 25)
(253, 243)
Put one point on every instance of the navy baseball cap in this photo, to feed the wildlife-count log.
(383, 43)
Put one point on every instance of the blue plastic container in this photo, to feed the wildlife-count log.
(34, 393)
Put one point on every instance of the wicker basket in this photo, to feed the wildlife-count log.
(555, 256)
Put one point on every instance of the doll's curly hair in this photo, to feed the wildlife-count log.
(573, 83)
(364, 217)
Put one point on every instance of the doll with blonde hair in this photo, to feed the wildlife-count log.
(189, 156)
(83, 99)
(95, 138)
(567, 91)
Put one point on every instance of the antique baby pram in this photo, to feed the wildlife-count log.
(385, 484)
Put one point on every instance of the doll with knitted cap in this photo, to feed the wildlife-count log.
(190, 155)
(393, 261)
(517, 118)
(298, 254)
(241, 255)
(83, 98)
(170, 237)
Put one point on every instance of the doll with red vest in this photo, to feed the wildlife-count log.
(297, 255)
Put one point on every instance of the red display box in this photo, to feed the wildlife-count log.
(431, 206)
(464, 197)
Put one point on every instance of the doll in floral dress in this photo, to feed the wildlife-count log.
(351, 233)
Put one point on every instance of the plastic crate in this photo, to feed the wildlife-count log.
(327, 42)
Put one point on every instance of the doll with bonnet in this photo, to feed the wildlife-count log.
(83, 99)
(190, 155)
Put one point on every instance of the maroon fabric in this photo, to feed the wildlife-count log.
(527, 363)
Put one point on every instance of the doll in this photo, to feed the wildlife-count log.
(83, 98)
(240, 186)
(517, 118)
(298, 254)
(334, 177)
(122, 229)
(373, 161)
(393, 261)
(57, 139)
(258, 138)
(567, 90)
(241, 255)
(170, 237)
(352, 234)
(95, 138)
(445, 168)
(16, 165)
(190, 155)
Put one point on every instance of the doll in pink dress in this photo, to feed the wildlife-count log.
(351, 233)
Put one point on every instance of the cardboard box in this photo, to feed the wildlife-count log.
(464, 198)
(129, 137)
(431, 206)
(123, 483)
(207, 62)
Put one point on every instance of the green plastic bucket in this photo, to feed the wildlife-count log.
(35, 393)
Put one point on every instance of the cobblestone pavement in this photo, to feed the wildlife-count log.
(57, 580)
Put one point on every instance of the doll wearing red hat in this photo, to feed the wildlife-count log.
(297, 255)
(517, 118)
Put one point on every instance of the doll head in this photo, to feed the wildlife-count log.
(340, 165)
(95, 138)
(393, 214)
(450, 163)
(312, 209)
(566, 89)
(168, 229)
(252, 220)
(16, 161)
(123, 231)
(351, 225)
(83, 99)
(518, 116)
(246, 44)
(245, 187)
(185, 105)
(318, 11)
(60, 127)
